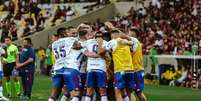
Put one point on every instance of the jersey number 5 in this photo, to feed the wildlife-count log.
(61, 52)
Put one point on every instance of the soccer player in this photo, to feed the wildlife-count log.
(137, 59)
(83, 65)
(123, 67)
(96, 70)
(25, 62)
(56, 91)
(66, 69)
(72, 32)
(11, 53)
(2, 52)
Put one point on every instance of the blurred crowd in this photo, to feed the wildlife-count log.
(181, 77)
(170, 26)
(21, 18)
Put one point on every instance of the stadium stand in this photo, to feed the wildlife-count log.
(167, 27)
(19, 19)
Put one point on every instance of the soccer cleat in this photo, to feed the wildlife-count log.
(2, 98)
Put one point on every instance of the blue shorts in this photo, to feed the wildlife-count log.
(96, 78)
(139, 81)
(124, 80)
(83, 77)
(67, 76)
(1, 75)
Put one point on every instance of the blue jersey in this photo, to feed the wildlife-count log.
(25, 54)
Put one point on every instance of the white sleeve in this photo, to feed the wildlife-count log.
(135, 43)
(111, 45)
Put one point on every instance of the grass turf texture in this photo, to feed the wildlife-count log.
(42, 89)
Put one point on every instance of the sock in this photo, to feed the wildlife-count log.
(103, 98)
(8, 87)
(126, 98)
(75, 99)
(64, 98)
(17, 87)
(87, 98)
(52, 98)
(83, 98)
(1, 91)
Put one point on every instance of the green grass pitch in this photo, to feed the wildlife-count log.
(42, 89)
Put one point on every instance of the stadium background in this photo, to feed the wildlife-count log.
(153, 91)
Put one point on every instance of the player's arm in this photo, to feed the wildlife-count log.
(123, 36)
(110, 26)
(3, 54)
(30, 59)
(91, 54)
(125, 42)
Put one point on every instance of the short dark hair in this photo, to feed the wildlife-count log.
(61, 30)
(99, 34)
(56, 35)
(8, 37)
(28, 40)
(70, 27)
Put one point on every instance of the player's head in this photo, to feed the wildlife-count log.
(8, 40)
(27, 42)
(132, 33)
(85, 26)
(99, 34)
(72, 32)
(83, 34)
(55, 37)
(91, 35)
(61, 32)
(114, 34)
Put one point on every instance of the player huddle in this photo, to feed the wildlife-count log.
(89, 68)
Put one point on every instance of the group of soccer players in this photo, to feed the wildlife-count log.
(89, 68)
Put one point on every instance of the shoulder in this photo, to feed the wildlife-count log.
(31, 50)
(12, 46)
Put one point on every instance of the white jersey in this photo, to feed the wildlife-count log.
(61, 49)
(2, 51)
(94, 63)
(74, 59)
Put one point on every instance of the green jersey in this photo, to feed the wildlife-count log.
(12, 51)
(152, 53)
(48, 60)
